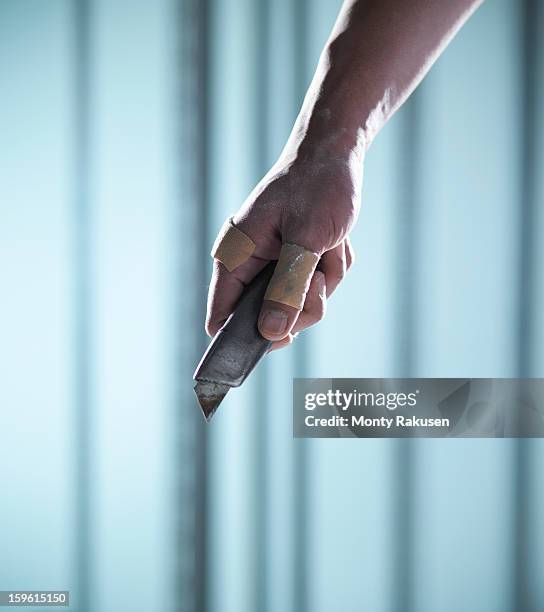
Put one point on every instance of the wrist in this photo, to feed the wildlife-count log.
(321, 138)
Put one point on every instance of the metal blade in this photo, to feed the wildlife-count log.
(210, 395)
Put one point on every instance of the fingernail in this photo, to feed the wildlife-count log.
(274, 322)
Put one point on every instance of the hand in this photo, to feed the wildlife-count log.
(312, 202)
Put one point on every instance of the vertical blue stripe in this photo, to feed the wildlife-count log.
(263, 95)
(234, 459)
(407, 228)
(524, 471)
(136, 281)
(191, 221)
(301, 348)
(83, 299)
(37, 512)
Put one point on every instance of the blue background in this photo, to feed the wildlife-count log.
(129, 131)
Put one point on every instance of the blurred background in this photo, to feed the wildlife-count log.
(129, 131)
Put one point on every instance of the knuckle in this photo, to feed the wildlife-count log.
(317, 312)
(313, 318)
(322, 310)
(211, 326)
(338, 266)
(208, 328)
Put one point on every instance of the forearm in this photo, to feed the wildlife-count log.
(377, 54)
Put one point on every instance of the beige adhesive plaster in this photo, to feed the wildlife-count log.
(232, 247)
(292, 276)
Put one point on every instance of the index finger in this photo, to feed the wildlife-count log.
(226, 288)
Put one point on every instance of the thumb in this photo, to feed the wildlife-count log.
(276, 320)
(286, 292)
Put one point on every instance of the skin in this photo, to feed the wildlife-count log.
(378, 52)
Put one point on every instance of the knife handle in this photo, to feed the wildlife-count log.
(238, 346)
